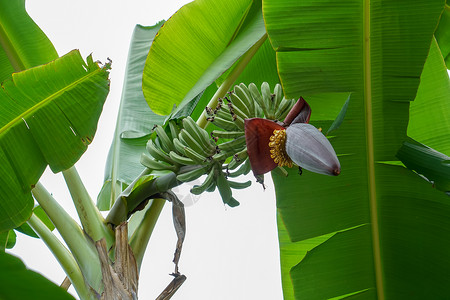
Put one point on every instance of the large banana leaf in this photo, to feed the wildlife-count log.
(48, 116)
(195, 46)
(378, 230)
(134, 122)
(22, 43)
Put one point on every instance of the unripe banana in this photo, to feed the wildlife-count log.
(188, 140)
(157, 153)
(257, 97)
(233, 145)
(224, 113)
(199, 133)
(238, 159)
(227, 134)
(209, 180)
(239, 103)
(239, 185)
(224, 124)
(156, 165)
(166, 142)
(224, 188)
(283, 109)
(249, 98)
(244, 169)
(193, 174)
(268, 100)
(278, 92)
(179, 147)
(194, 155)
(174, 129)
(221, 156)
(179, 159)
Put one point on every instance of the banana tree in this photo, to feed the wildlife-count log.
(377, 230)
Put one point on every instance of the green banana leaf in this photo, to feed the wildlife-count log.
(134, 122)
(378, 230)
(443, 34)
(48, 116)
(429, 119)
(22, 43)
(17, 282)
(195, 46)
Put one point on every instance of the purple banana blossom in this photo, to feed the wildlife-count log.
(270, 144)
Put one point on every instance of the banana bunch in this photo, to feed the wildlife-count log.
(190, 152)
(189, 145)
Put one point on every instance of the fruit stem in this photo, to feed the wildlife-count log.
(232, 77)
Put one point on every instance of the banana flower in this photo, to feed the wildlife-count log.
(294, 141)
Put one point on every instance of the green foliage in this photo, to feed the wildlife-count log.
(23, 44)
(51, 126)
(17, 282)
(134, 122)
(362, 229)
(196, 46)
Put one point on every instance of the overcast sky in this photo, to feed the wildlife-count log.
(228, 254)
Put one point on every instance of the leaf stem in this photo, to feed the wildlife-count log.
(232, 77)
(143, 232)
(63, 256)
(80, 245)
(93, 222)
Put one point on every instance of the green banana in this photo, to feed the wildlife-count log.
(248, 95)
(181, 160)
(267, 99)
(193, 174)
(239, 185)
(238, 159)
(174, 129)
(209, 180)
(237, 111)
(166, 142)
(224, 124)
(224, 113)
(227, 134)
(179, 147)
(234, 163)
(157, 153)
(156, 165)
(258, 98)
(221, 156)
(244, 169)
(278, 92)
(238, 102)
(199, 158)
(188, 140)
(224, 188)
(283, 109)
(199, 133)
(239, 122)
(233, 145)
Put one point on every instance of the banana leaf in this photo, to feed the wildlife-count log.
(195, 46)
(378, 230)
(48, 116)
(17, 282)
(134, 122)
(22, 43)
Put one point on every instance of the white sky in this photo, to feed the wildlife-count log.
(228, 254)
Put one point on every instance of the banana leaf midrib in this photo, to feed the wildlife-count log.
(10, 51)
(47, 100)
(370, 149)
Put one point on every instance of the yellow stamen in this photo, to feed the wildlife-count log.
(278, 148)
